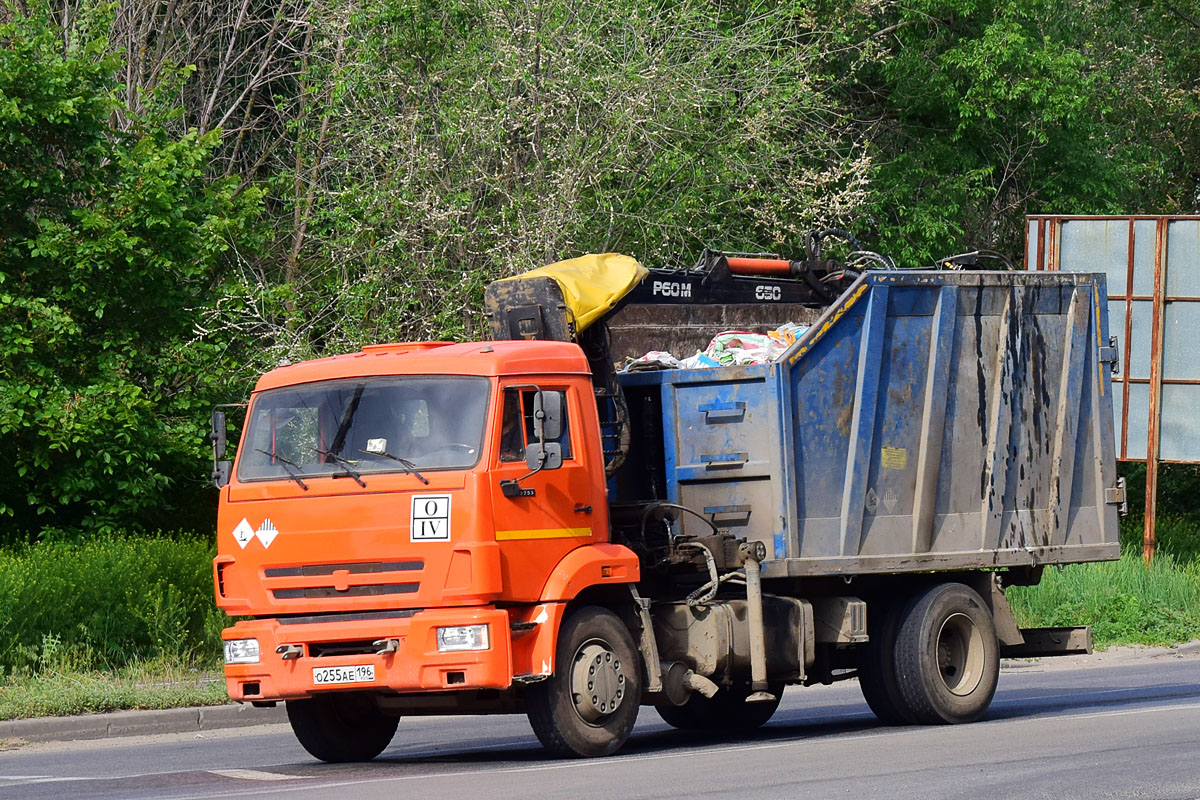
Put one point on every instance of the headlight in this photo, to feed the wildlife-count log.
(462, 637)
(241, 651)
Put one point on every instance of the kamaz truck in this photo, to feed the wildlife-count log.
(515, 526)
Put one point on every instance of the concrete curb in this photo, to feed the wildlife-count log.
(135, 723)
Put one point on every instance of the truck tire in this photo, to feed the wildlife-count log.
(589, 705)
(725, 712)
(341, 726)
(947, 656)
(877, 666)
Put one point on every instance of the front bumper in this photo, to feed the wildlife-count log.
(414, 666)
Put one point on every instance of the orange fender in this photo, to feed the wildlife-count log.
(533, 650)
(591, 565)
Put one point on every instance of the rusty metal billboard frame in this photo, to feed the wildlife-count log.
(1044, 251)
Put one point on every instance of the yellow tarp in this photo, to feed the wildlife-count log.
(591, 284)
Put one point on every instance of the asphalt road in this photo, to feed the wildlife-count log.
(1127, 729)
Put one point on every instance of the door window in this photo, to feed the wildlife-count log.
(517, 428)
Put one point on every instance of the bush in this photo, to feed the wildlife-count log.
(106, 604)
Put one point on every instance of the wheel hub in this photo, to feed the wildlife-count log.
(960, 654)
(597, 682)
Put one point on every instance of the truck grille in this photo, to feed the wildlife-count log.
(359, 568)
(345, 616)
(336, 580)
(366, 590)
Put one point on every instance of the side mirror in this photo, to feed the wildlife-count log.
(543, 455)
(547, 416)
(222, 470)
(218, 434)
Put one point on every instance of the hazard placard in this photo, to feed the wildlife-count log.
(430, 518)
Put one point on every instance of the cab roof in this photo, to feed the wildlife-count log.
(435, 358)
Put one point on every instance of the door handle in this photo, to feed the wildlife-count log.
(724, 460)
(583, 509)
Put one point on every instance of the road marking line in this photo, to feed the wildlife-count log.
(1094, 715)
(254, 775)
(20, 779)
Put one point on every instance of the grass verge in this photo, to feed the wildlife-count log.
(125, 622)
(102, 604)
(144, 685)
(1125, 601)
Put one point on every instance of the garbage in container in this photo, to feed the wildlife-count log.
(728, 348)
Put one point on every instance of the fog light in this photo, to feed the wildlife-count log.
(241, 651)
(462, 637)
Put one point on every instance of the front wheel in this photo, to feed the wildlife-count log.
(341, 726)
(589, 705)
(947, 656)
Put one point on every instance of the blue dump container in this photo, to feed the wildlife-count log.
(927, 421)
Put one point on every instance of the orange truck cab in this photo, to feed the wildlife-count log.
(384, 528)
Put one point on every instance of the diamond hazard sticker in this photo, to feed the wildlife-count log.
(266, 533)
(430, 518)
(243, 533)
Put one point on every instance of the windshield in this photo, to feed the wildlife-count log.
(365, 426)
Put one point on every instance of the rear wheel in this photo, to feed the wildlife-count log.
(341, 726)
(590, 703)
(727, 711)
(947, 656)
(877, 666)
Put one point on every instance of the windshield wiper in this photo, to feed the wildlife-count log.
(339, 438)
(347, 465)
(409, 466)
(288, 467)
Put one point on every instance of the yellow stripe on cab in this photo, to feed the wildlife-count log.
(544, 533)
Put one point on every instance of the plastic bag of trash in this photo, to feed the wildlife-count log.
(699, 361)
(788, 333)
(655, 359)
(731, 348)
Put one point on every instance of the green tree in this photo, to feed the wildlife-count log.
(982, 111)
(109, 241)
(1149, 52)
(439, 145)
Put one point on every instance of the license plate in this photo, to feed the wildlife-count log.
(356, 673)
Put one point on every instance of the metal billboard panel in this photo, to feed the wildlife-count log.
(1138, 333)
(1143, 257)
(1180, 422)
(1152, 266)
(1133, 436)
(1154, 313)
(1183, 260)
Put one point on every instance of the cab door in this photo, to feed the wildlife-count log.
(556, 509)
